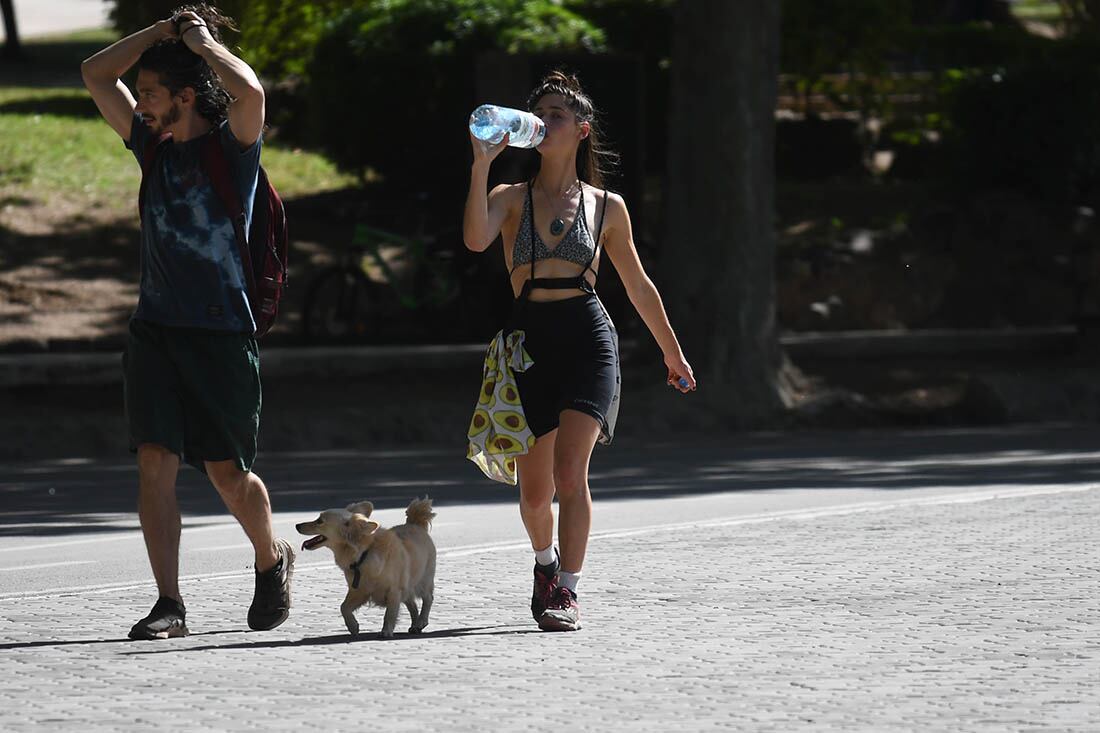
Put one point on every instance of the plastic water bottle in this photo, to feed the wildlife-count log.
(489, 123)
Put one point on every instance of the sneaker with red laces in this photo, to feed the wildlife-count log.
(562, 612)
(546, 581)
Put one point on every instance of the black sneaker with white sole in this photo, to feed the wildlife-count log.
(165, 621)
(271, 602)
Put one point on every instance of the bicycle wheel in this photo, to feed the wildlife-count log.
(341, 306)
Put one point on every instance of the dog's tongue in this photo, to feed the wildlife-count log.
(313, 543)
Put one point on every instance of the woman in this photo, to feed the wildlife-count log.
(570, 394)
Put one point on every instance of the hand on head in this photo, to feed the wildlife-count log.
(191, 29)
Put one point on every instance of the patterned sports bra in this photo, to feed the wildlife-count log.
(576, 246)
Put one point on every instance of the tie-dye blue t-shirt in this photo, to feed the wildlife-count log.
(191, 273)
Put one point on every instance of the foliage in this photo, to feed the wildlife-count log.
(129, 16)
(844, 49)
(1032, 126)
(403, 72)
(970, 45)
(278, 36)
(1081, 15)
(895, 68)
(439, 27)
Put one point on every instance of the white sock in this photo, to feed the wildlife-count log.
(546, 556)
(569, 580)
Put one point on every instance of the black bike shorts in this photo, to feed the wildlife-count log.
(575, 349)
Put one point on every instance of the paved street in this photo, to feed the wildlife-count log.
(849, 581)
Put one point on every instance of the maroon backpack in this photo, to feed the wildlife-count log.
(264, 251)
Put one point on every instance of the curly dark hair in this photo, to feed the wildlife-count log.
(179, 67)
(594, 161)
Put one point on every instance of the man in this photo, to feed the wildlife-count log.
(191, 367)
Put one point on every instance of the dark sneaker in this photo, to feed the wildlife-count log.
(562, 612)
(546, 580)
(271, 603)
(165, 621)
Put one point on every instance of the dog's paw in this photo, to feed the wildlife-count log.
(353, 626)
(415, 629)
(386, 634)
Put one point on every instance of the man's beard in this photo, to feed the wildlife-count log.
(160, 124)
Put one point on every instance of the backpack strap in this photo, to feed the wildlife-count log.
(148, 158)
(214, 163)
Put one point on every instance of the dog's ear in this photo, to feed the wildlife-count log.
(361, 507)
(358, 529)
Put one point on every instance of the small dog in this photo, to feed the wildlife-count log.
(385, 567)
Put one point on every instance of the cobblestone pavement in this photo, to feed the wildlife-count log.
(944, 613)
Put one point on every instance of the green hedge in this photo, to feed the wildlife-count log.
(1033, 127)
(278, 37)
(391, 84)
(128, 16)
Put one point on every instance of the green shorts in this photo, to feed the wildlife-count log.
(193, 391)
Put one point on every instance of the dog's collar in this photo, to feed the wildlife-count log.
(354, 567)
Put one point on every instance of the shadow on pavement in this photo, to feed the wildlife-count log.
(349, 639)
(58, 498)
(86, 642)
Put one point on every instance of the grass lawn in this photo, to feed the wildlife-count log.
(55, 146)
(68, 203)
(53, 143)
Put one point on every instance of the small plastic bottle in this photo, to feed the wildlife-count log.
(489, 123)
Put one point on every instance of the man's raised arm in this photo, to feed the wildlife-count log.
(101, 74)
(246, 111)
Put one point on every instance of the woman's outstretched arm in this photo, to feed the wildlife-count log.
(619, 245)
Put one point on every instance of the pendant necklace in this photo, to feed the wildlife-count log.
(557, 225)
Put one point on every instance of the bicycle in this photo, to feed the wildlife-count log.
(385, 277)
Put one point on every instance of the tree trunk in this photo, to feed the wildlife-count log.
(12, 49)
(719, 250)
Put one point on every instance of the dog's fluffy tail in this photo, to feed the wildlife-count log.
(420, 512)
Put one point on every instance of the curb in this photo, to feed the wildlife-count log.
(930, 342)
(105, 368)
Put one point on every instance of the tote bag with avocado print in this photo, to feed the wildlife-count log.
(498, 430)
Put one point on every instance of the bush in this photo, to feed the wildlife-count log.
(129, 16)
(391, 83)
(970, 45)
(1032, 127)
(278, 36)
